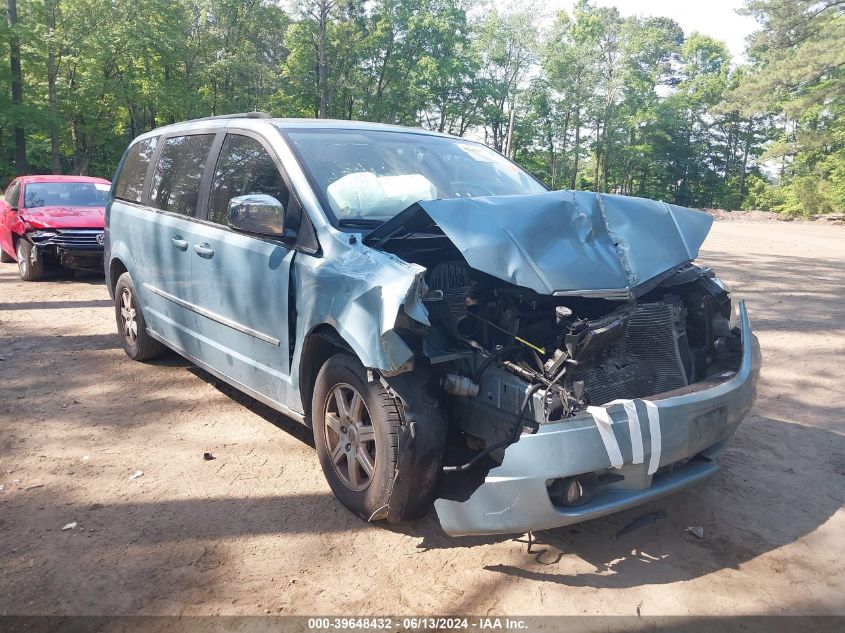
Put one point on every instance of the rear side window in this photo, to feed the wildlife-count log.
(129, 184)
(176, 181)
(244, 167)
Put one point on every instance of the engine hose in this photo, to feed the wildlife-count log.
(490, 360)
(514, 436)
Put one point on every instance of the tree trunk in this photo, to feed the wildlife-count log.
(577, 150)
(598, 157)
(563, 136)
(743, 174)
(729, 151)
(381, 80)
(52, 73)
(509, 137)
(322, 69)
(17, 86)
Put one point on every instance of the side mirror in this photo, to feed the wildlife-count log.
(257, 213)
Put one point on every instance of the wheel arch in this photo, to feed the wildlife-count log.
(116, 269)
(321, 343)
(13, 240)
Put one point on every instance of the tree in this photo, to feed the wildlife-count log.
(320, 11)
(591, 100)
(505, 44)
(16, 84)
(798, 77)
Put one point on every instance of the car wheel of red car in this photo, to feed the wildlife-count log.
(30, 270)
(137, 343)
(5, 258)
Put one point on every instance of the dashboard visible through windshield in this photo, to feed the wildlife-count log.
(369, 176)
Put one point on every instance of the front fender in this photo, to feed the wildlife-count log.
(360, 295)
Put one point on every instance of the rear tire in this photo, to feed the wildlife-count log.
(375, 463)
(137, 343)
(5, 258)
(29, 270)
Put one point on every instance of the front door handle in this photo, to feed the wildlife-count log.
(204, 250)
(179, 243)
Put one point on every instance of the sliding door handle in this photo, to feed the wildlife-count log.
(204, 250)
(179, 243)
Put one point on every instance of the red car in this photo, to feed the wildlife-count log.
(53, 220)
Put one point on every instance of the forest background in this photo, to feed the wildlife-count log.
(586, 99)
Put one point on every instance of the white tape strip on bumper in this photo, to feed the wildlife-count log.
(604, 425)
(654, 429)
(635, 431)
(601, 416)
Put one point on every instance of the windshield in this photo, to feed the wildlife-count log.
(65, 194)
(370, 176)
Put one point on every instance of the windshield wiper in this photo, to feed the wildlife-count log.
(365, 222)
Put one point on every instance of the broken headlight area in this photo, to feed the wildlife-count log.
(41, 236)
(510, 359)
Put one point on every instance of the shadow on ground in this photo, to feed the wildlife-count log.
(279, 420)
(56, 305)
(779, 482)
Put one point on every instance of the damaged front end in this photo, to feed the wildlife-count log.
(584, 363)
(80, 249)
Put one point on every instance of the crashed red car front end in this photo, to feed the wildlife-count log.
(53, 221)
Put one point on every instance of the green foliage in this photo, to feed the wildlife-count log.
(590, 100)
(798, 80)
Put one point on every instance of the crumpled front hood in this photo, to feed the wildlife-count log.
(566, 242)
(65, 217)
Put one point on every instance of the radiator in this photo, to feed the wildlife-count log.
(644, 362)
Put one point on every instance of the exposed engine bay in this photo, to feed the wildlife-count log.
(511, 359)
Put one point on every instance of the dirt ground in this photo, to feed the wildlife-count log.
(256, 530)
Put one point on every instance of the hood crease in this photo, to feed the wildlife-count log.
(561, 242)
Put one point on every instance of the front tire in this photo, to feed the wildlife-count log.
(137, 343)
(29, 270)
(375, 463)
(356, 430)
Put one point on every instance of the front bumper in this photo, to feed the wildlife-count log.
(73, 248)
(695, 423)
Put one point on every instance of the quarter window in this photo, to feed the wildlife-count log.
(129, 184)
(176, 181)
(12, 194)
(244, 167)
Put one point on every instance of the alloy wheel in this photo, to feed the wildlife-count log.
(128, 314)
(350, 437)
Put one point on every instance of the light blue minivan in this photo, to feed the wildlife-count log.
(454, 333)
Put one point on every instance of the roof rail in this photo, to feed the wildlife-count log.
(237, 115)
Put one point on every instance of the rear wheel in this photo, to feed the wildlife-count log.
(5, 258)
(29, 270)
(137, 343)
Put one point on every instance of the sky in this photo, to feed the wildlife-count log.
(716, 18)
